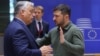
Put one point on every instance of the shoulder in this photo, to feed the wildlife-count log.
(14, 26)
(45, 22)
(53, 29)
(75, 29)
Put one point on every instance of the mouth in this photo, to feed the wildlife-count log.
(54, 20)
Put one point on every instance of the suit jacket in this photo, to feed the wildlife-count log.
(18, 40)
(34, 30)
(73, 44)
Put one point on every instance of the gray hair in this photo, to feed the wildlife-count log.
(21, 5)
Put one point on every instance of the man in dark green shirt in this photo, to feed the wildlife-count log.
(66, 39)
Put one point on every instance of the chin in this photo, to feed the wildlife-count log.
(57, 25)
(31, 21)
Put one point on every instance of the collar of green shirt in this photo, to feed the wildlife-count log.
(67, 26)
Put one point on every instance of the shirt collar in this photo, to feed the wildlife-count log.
(20, 20)
(38, 21)
(67, 26)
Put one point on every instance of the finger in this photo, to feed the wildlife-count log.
(61, 31)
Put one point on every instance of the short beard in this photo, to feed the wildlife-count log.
(61, 24)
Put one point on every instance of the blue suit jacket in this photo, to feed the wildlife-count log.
(18, 41)
(34, 30)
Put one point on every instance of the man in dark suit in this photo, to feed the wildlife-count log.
(18, 40)
(39, 27)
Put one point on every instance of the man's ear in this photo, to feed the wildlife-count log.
(66, 16)
(22, 12)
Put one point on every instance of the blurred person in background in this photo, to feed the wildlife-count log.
(39, 27)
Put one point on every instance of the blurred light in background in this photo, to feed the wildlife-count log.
(11, 9)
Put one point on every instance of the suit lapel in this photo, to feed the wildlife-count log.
(35, 27)
(31, 37)
(43, 27)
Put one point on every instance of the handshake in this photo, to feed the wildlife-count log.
(46, 50)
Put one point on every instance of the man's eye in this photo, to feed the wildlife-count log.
(56, 16)
(32, 11)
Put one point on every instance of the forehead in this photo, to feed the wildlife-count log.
(30, 7)
(38, 10)
(58, 12)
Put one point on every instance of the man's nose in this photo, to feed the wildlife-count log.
(54, 18)
(34, 14)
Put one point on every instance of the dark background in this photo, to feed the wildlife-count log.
(4, 14)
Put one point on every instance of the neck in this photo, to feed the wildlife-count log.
(21, 19)
(38, 19)
(66, 23)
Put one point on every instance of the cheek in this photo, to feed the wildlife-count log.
(60, 20)
(30, 15)
(38, 14)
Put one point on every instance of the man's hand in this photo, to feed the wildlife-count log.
(46, 50)
(61, 36)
